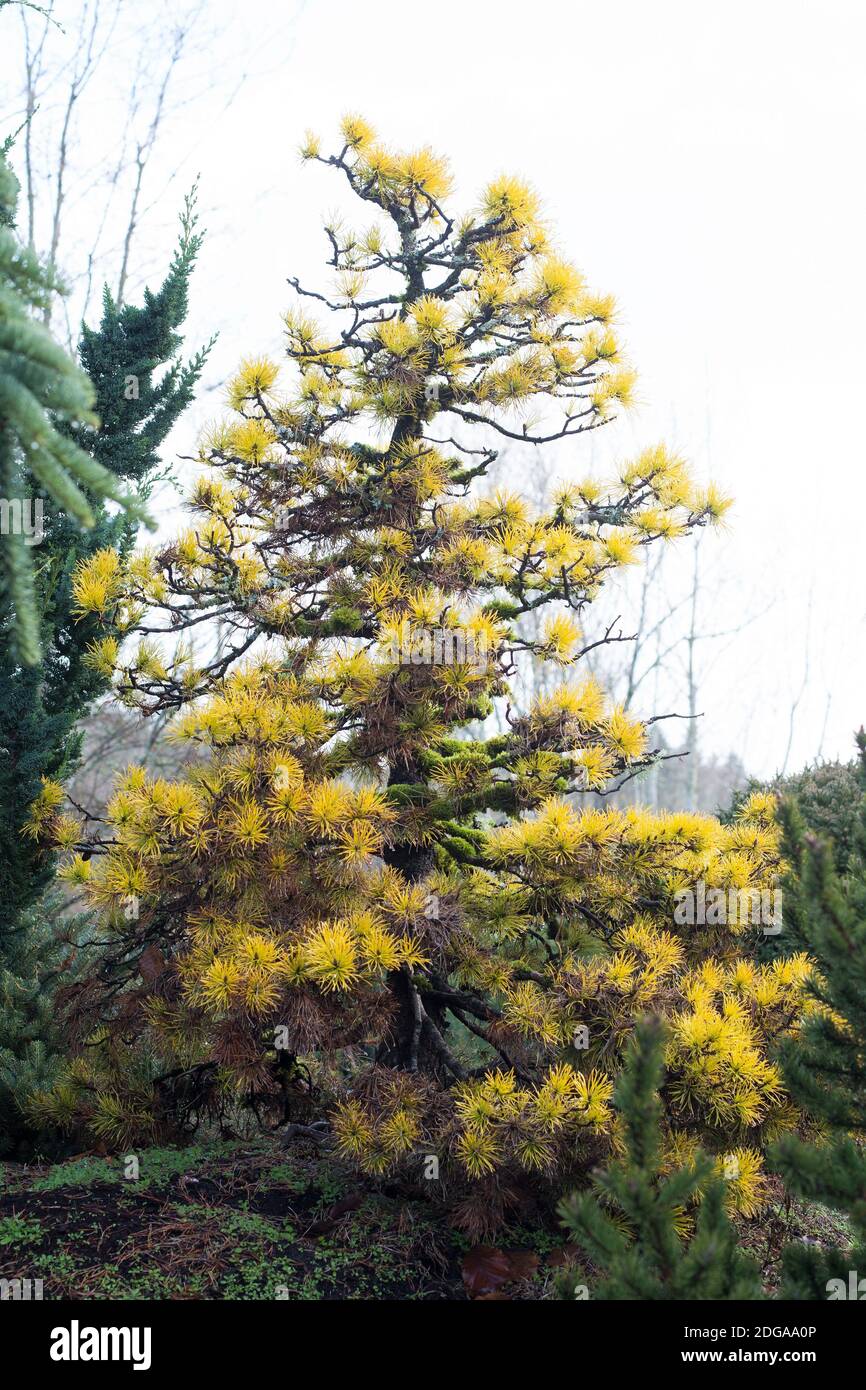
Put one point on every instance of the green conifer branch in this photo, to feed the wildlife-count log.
(628, 1225)
(824, 1066)
(40, 388)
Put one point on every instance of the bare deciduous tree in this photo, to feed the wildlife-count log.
(132, 72)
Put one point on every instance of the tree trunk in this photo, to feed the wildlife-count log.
(411, 1044)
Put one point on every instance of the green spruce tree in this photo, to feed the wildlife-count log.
(35, 959)
(629, 1225)
(40, 389)
(825, 1067)
(138, 385)
(141, 387)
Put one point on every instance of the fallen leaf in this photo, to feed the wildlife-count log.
(523, 1263)
(332, 1216)
(485, 1268)
(564, 1255)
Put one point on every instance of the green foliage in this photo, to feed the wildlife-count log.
(40, 387)
(35, 955)
(40, 708)
(828, 797)
(41, 705)
(19, 1230)
(824, 1067)
(158, 1167)
(122, 357)
(632, 1233)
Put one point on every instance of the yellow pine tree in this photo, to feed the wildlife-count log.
(328, 873)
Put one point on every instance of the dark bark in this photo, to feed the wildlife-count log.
(417, 1039)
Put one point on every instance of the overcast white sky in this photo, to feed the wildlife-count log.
(704, 163)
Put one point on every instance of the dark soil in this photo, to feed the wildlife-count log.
(260, 1220)
(240, 1221)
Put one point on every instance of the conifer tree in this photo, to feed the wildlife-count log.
(824, 1065)
(40, 386)
(640, 1226)
(36, 957)
(330, 875)
(140, 386)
